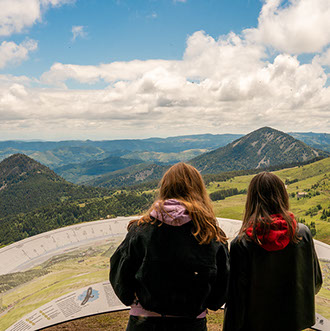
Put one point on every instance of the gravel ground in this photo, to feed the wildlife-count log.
(117, 321)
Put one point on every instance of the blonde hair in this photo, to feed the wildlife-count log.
(184, 183)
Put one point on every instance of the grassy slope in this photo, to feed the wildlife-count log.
(307, 176)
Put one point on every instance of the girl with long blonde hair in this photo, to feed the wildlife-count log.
(173, 264)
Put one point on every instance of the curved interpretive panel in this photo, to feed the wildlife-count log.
(62, 274)
(43, 279)
(90, 300)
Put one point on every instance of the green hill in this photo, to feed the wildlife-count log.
(262, 148)
(25, 184)
(54, 216)
(308, 187)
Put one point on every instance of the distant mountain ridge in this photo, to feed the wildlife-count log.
(152, 150)
(90, 161)
(316, 140)
(55, 154)
(264, 147)
(78, 173)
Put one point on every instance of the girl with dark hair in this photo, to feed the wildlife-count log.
(275, 272)
(173, 263)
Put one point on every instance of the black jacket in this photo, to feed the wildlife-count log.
(271, 291)
(169, 271)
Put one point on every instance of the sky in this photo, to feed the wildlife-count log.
(113, 69)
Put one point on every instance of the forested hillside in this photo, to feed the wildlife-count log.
(23, 225)
(26, 184)
(33, 199)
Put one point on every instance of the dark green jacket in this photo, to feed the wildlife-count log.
(272, 291)
(169, 271)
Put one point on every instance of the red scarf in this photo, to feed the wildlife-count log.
(278, 236)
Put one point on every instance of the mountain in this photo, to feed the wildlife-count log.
(265, 147)
(316, 140)
(78, 173)
(199, 141)
(25, 184)
(152, 150)
(133, 175)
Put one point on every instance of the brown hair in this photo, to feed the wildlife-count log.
(266, 196)
(184, 183)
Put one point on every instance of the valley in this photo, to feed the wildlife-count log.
(87, 161)
(35, 199)
(308, 187)
(56, 154)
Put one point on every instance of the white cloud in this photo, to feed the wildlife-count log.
(10, 79)
(12, 53)
(78, 31)
(223, 85)
(16, 15)
(229, 84)
(111, 72)
(230, 55)
(301, 26)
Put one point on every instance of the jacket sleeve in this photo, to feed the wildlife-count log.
(238, 288)
(124, 264)
(317, 271)
(219, 289)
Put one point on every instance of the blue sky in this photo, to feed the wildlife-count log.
(107, 69)
(128, 30)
